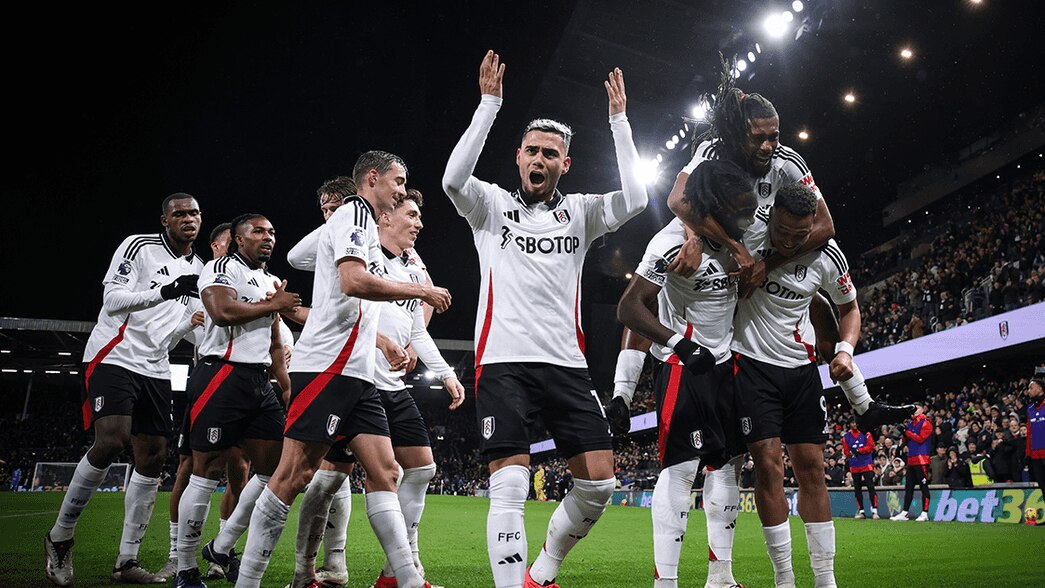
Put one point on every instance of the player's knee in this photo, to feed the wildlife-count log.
(593, 495)
(106, 449)
(509, 487)
(421, 475)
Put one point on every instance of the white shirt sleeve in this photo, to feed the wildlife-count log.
(119, 296)
(612, 210)
(464, 189)
(348, 232)
(836, 278)
(302, 256)
(426, 349)
(286, 336)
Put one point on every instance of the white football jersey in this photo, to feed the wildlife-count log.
(341, 331)
(531, 256)
(403, 321)
(785, 167)
(250, 341)
(772, 325)
(699, 307)
(136, 325)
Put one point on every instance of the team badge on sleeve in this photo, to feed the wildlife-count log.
(213, 435)
(222, 279)
(124, 269)
(488, 427)
(358, 237)
(332, 423)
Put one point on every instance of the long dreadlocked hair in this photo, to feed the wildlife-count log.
(731, 112)
(722, 189)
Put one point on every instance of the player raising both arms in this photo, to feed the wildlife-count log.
(529, 344)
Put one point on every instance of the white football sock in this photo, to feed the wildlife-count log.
(86, 480)
(821, 540)
(240, 517)
(138, 502)
(721, 505)
(266, 525)
(571, 522)
(778, 544)
(386, 518)
(312, 521)
(856, 391)
(173, 553)
(505, 532)
(670, 512)
(192, 515)
(626, 375)
(335, 535)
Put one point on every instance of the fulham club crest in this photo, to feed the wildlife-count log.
(213, 434)
(763, 189)
(488, 427)
(800, 272)
(562, 216)
(745, 425)
(1003, 329)
(99, 401)
(332, 423)
(696, 438)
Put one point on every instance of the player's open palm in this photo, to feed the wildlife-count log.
(283, 300)
(438, 297)
(491, 72)
(615, 91)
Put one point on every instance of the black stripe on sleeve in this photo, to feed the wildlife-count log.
(835, 255)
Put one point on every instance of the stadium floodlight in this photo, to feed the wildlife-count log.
(64, 353)
(5, 351)
(787, 16)
(674, 138)
(906, 53)
(741, 65)
(775, 25)
(803, 135)
(9, 371)
(758, 48)
(648, 171)
(429, 375)
(682, 133)
(660, 158)
(797, 6)
(850, 97)
(699, 111)
(751, 56)
(627, 276)
(669, 145)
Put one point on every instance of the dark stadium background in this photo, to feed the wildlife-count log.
(250, 108)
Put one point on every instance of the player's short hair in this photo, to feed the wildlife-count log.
(175, 196)
(340, 187)
(234, 228)
(218, 230)
(720, 188)
(382, 161)
(732, 111)
(796, 198)
(548, 125)
(412, 194)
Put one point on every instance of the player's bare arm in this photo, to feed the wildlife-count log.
(356, 281)
(278, 369)
(226, 309)
(849, 330)
(634, 311)
(750, 271)
(395, 355)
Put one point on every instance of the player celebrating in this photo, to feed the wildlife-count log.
(333, 371)
(694, 377)
(127, 390)
(917, 435)
(745, 128)
(858, 448)
(529, 342)
(780, 397)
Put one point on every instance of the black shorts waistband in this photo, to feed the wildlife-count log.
(250, 366)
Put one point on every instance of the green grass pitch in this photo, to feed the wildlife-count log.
(617, 553)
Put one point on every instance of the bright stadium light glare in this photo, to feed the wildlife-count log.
(735, 72)
(751, 56)
(850, 98)
(648, 171)
(758, 48)
(699, 111)
(669, 145)
(797, 6)
(803, 135)
(741, 65)
(775, 25)
(906, 53)
(660, 158)
(787, 16)
(682, 133)
(627, 276)
(674, 138)
(429, 375)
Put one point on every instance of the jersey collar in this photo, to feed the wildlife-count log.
(364, 201)
(170, 247)
(550, 205)
(403, 257)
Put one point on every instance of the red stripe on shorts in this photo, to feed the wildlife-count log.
(670, 397)
(212, 386)
(90, 370)
(309, 392)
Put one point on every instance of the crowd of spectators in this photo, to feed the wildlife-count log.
(986, 260)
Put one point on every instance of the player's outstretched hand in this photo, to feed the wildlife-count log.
(181, 286)
(197, 319)
(619, 415)
(688, 259)
(491, 72)
(698, 360)
(438, 297)
(284, 301)
(615, 91)
(456, 391)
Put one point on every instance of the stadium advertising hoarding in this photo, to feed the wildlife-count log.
(984, 505)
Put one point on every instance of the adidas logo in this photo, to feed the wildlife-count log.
(681, 538)
(511, 559)
(512, 215)
(253, 282)
(712, 270)
(732, 525)
(163, 271)
(579, 537)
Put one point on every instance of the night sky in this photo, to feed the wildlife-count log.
(250, 109)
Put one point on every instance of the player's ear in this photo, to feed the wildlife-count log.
(566, 164)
